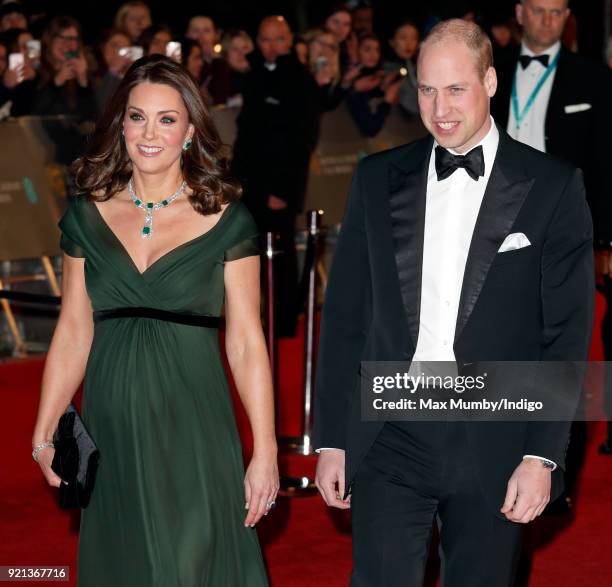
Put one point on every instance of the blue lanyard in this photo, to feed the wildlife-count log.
(520, 116)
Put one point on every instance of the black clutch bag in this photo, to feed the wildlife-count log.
(75, 461)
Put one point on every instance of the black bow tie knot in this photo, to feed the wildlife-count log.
(525, 60)
(447, 163)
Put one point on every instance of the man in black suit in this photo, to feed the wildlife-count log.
(277, 132)
(559, 103)
(425, 270)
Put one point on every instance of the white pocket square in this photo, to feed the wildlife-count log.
(571, 108)
(514, 241)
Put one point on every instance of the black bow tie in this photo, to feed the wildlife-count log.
(525, 60)
(447, 163)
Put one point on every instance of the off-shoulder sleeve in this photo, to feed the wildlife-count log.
(71, 240)
(245, 241)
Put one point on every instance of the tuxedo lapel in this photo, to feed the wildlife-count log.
(407, 191)
(504, 196)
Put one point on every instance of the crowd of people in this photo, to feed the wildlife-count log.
(56, 73)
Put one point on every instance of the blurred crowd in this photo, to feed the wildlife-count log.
(47, 70)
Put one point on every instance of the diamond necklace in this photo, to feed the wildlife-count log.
(149, 207)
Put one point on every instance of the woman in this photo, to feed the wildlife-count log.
(373, 92)
(339, 22)
(112, 65)
(237, 44)
(65, 87)
(191, 58)
(19, 85)
(132, 18)
(168, 508)
(405, 45)
(323, 55)
(155, 39)
(324, 64)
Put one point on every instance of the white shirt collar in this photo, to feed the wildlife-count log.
(551, 51)
(489, 144)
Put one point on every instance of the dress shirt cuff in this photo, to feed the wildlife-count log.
(541, 459)
(319, 450)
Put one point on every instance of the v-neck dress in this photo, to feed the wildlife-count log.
(167, 509)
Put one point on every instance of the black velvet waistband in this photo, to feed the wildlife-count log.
(155, 314)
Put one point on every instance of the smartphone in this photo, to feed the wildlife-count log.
(33, 49)
(133, 52)
(173, 50)
(16, 62)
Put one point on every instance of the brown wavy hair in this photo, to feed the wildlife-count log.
(106, 167)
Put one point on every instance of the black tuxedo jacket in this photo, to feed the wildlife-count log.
(582, 138)
(534, 303)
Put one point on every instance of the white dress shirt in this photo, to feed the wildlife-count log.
(531, 131)
(451, 210)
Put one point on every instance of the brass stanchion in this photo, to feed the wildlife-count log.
(303, 444)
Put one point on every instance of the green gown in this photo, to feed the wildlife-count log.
(167, 509)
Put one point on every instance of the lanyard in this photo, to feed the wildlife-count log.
(520, 116)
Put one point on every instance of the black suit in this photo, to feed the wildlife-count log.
(531, 304)
(277, 131)
(582, 138)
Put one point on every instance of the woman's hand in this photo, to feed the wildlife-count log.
(261, 485)
(45, 458)
(79, 64)
(66, 72)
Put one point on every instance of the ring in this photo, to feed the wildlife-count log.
(271, 504)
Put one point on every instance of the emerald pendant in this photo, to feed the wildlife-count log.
(150, 207)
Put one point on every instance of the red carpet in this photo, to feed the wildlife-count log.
(305, 544)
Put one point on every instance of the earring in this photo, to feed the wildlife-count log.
(187, 144)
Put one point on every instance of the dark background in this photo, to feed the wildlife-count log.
(303, 14)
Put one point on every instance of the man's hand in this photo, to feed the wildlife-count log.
(330, 478)
(528, 491)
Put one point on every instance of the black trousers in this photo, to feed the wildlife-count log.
(415, 473)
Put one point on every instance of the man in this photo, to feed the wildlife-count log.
(418, 275)
(559, 103)
(277, 130)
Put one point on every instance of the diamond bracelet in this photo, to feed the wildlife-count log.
(39, 447)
